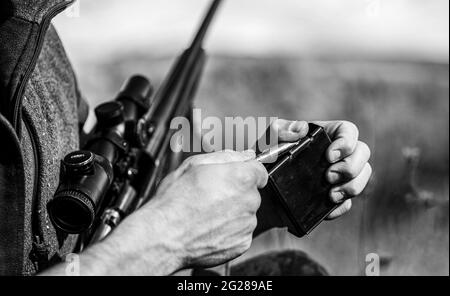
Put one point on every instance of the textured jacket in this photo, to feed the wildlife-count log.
(40, 111)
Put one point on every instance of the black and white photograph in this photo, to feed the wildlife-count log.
(222, 143)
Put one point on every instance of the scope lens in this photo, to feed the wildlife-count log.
(71, 215)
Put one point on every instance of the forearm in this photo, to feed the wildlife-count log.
(125, 253)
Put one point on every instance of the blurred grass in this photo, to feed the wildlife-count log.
(399, 107)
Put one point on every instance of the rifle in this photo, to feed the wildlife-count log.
(129, 152)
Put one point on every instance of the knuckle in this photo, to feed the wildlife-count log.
(256, 202)
(369, 169)
(246, 244)
(260, 174)
(192, 160)
(348, 205)
(250, 202)
(244, 177)
(186, 165)
(227, 155)
(253, 223)
(276, 125)
(352, 191)
(350, 126)
(366, 149)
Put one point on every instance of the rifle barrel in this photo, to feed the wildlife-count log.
(173, 99)
(198, 40)
(170, 95)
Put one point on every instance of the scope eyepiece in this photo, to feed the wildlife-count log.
(85, 178)
(139, 90)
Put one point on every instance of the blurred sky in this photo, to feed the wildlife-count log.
(406, 29)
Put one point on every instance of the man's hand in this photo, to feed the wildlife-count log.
(349, 170)
(210, 203)
(203, 215)
(206, 210)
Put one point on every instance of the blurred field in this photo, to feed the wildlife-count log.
(402, 109)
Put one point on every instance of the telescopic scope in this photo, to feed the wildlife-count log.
(87, 175)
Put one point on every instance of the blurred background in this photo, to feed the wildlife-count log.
(382, 64)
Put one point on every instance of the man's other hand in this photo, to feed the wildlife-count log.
(349, 170)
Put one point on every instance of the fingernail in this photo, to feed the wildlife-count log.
(335, 155)
(337, 196)
(333, 177)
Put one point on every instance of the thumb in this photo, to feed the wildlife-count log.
(289, 131)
